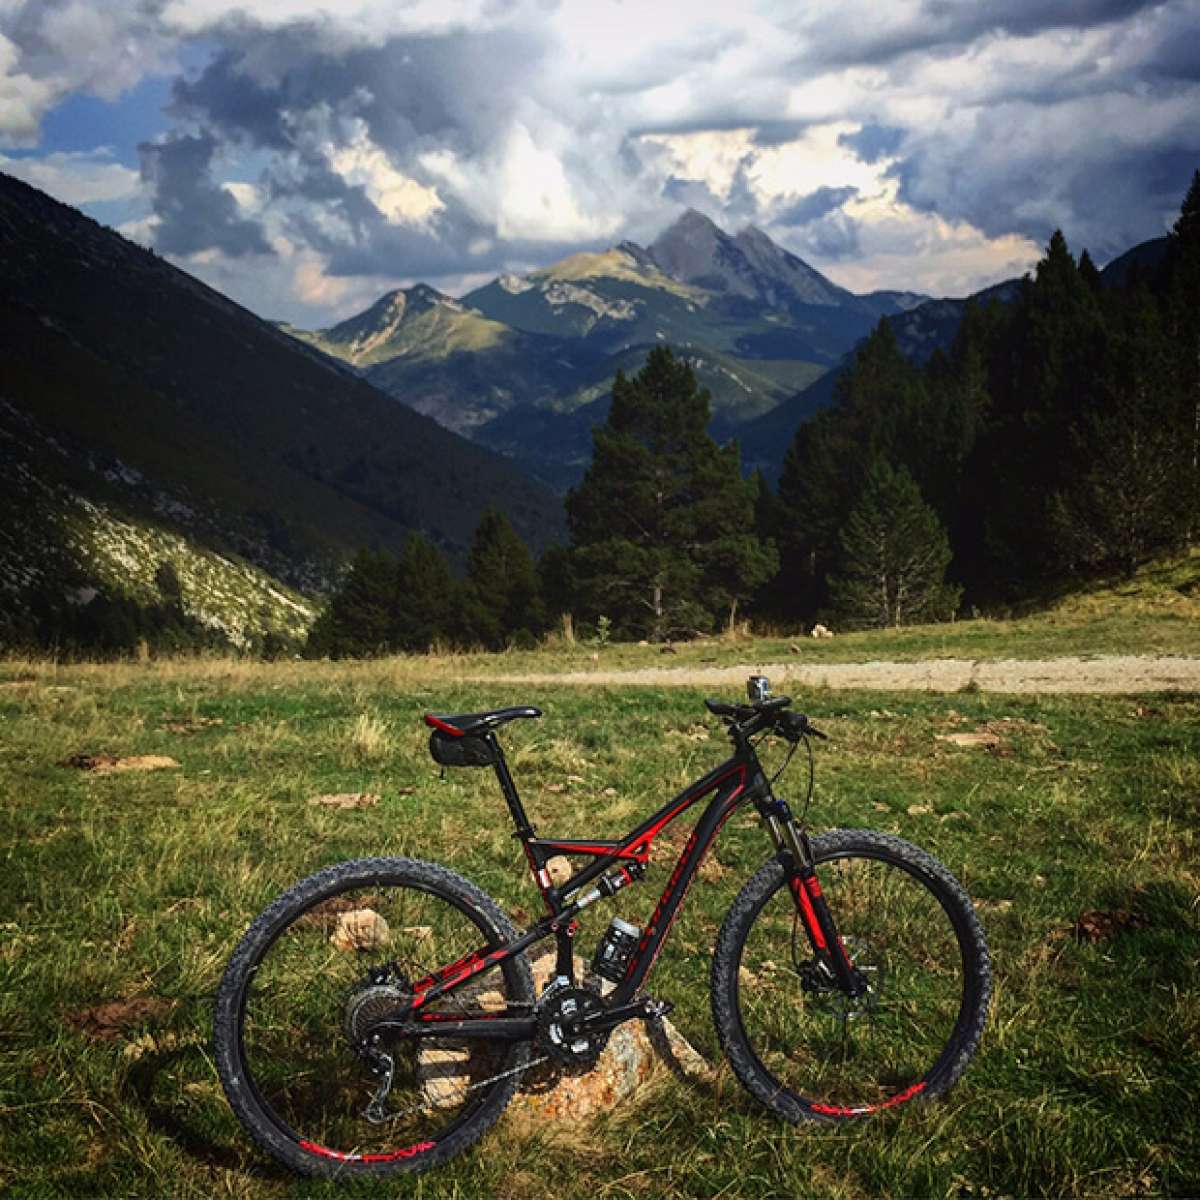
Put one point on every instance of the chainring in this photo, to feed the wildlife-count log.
(557, 1027)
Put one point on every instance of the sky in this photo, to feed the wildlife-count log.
(304, 156)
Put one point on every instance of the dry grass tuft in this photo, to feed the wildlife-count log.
(368, 740)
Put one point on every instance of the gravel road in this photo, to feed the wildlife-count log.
(1111, 673)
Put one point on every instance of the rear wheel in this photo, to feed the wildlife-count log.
(793, 1037)
(332, 957)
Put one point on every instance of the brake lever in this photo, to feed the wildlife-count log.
(805, 728)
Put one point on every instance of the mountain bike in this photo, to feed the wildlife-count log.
(380, 1014)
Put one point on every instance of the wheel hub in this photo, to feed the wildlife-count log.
(818, 980)
(367, 1006)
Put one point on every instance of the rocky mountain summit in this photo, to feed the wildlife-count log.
(524, 364)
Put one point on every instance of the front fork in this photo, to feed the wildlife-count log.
(794, 852)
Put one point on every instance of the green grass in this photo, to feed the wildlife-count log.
(120, 886)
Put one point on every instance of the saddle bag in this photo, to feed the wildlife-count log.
(460, 751)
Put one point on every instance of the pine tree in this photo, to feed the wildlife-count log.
(503, 598)
(894, 554)
(1042, 383)
(358, 619)
(427, 602)
(879, 404)
(663, 523)
(1183, 322)
(1125, 496)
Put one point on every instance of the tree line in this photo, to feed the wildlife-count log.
(1058, 438)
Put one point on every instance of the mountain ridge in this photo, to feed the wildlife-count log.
(525, 355)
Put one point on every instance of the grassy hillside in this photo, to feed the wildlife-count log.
(1077, 839)
(118, 366)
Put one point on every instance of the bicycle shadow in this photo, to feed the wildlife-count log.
(151, 1085)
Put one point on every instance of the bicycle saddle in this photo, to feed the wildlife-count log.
(473, 724)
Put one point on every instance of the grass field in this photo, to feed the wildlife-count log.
(127, 886)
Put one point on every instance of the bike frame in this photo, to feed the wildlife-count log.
(614, 864)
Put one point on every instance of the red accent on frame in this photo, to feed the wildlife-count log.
(467, 966)
(439, 724)
(391, 1156)
(639, 848)
(865, 1110)
(676, 874)
(432, 1018)
(800, 892)
(569, 846)
(540, 876)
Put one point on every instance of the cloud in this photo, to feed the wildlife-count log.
(50, 49)
(193, 212)
(446, 139)
(76, 178)
(815, 205)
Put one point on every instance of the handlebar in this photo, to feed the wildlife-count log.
(748, 719)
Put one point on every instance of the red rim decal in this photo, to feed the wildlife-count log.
(391, 1156)
(865, 1110)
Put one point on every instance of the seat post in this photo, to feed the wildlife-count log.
(509, 788)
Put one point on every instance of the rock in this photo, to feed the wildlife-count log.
(821, 631)
(551, 1091)
(360, 929)
(793, 648)
(347, 800)
(989, 741)
(668, 650)
(106, 1022)
(560, 869)
(103, 763)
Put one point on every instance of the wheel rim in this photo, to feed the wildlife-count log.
(843, 1057)
(331, 970)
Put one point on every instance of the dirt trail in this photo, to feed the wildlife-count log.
(1112, 673)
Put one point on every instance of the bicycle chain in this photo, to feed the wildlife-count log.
(375, 1117)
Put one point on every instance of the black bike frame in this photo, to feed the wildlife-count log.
(613, 865)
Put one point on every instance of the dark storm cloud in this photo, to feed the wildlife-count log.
(296, 94)
(940, 27)
(873, 142)
(194, 212)
(815, 205)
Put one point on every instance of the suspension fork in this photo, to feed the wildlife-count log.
(795, 854)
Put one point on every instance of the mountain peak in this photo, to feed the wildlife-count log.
(693, 218)
(696, 250)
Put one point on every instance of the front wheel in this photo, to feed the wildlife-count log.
(803, 1047)
(318, 972)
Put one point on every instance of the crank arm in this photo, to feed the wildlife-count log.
(610, 1018)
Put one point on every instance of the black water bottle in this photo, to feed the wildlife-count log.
(615, 950)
